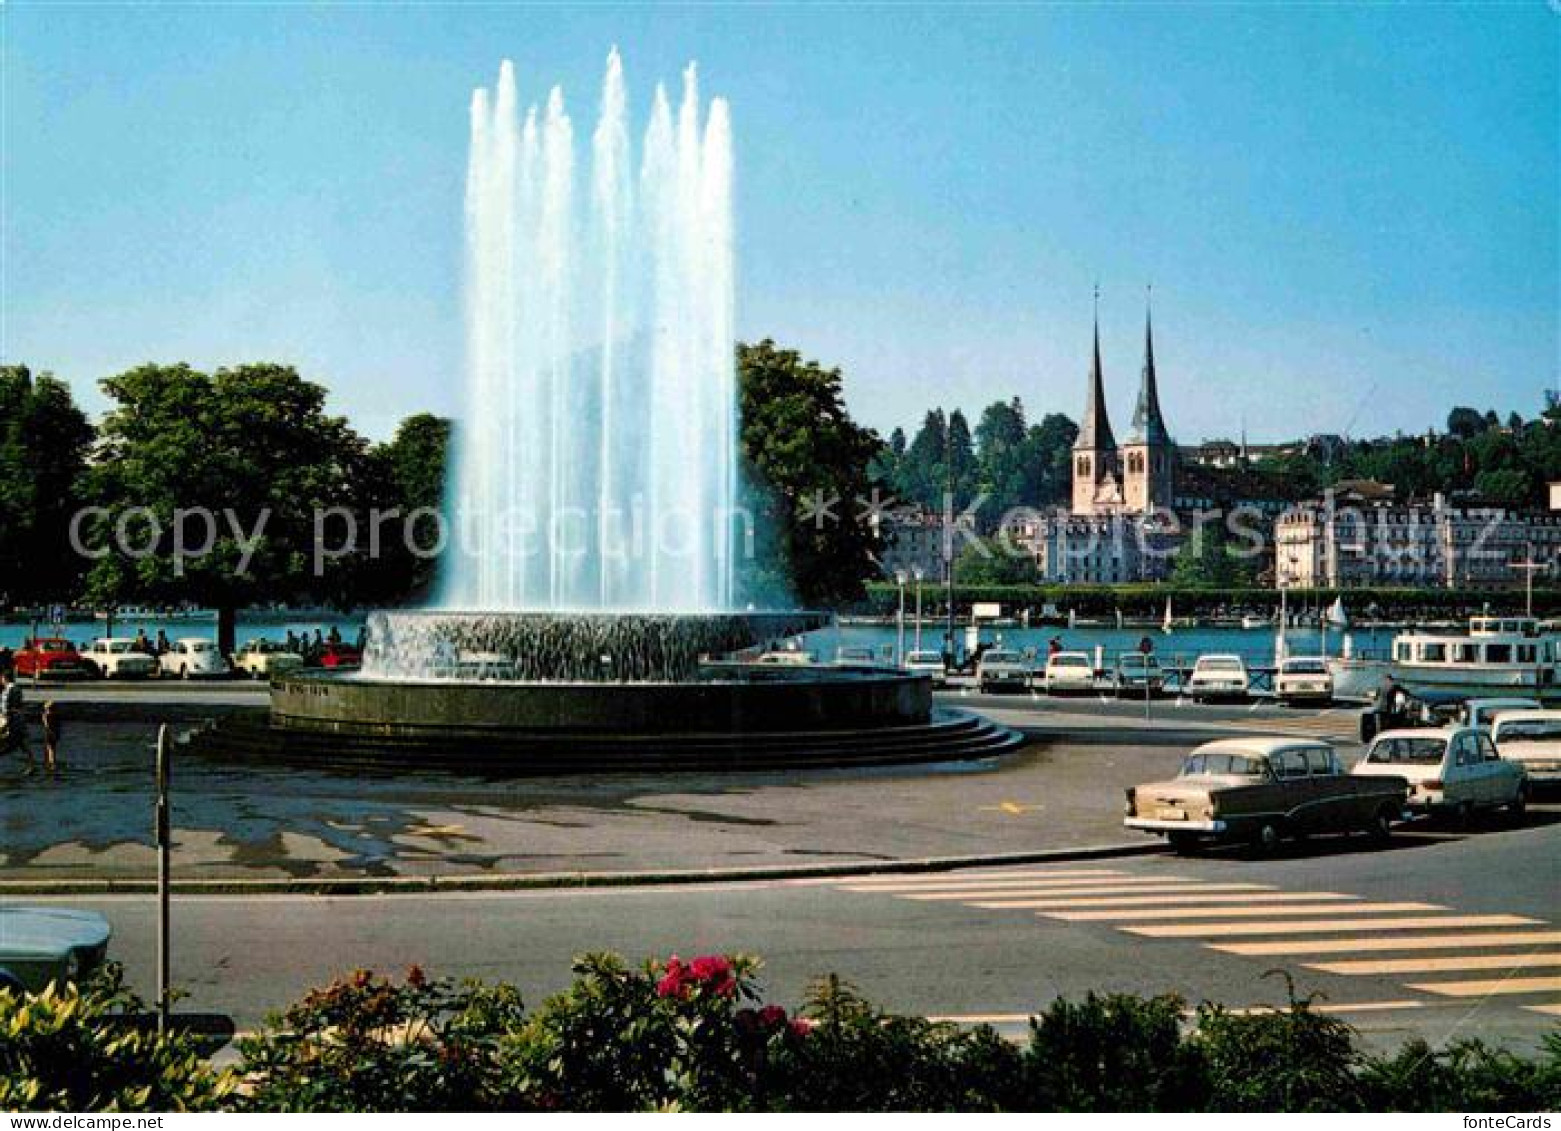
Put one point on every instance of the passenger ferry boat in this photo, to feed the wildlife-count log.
(1498, 653)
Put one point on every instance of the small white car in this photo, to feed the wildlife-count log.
(1069, 671)
(930, 664)
(1478, 712)
(786, 659)
(263, 659)
(117, 657)
(855, 657)
(194, 658)
(1139, 673)
(999, 669)
(1303, 679)
(1532, 739)
(1218, 676)
(1454, 770)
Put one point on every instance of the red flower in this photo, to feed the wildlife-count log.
(772, 1017)
(801, 1026)
(672, 982)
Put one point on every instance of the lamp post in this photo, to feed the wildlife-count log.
(899, 636)
(918, 573)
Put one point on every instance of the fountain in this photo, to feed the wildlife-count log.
(587, 615)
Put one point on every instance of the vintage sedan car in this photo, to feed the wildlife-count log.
(999, 669)
(1532, 739)
(1069, 671)
(39, 945)
(118, 657)
(194, 658)
(1263, 790)
(930, 664)
(1218, 676)
(1479, 712)
(50, 657)
(1303, 679)
(786, 658)
(263, 659)
(1455, 770)
(1139, 673)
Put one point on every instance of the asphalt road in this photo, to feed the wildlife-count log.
(1444, 934)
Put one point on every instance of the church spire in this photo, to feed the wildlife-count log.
(1095, 431)
(1148, 424)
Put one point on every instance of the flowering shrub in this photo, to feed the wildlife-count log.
(695, 1035)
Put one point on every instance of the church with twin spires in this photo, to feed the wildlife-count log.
(1137, 477)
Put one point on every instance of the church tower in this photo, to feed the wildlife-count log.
(1097, 481)
(1149, 456)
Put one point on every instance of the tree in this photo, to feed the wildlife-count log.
(227, 489)
(1049, 456)
(44, 441)
(988, 562)
(961, 460)
(1464, 422)
(407, 479)
(1002, 473)
(1207, 560)
(802, 451)
(923, 476)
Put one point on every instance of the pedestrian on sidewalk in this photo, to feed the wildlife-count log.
(53, 730)
(13, 724)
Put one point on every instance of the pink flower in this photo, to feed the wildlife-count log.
(801, 1026)
(672, 982)
(772, 1017)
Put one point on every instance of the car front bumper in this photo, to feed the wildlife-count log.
(1153, 825)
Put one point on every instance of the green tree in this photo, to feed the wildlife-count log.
(1048, 458)
(962, 466)
(252, 449)
(1001, 458)
(44, 442)
(988, 562)
(1464, 422)
(1207, 560)
(800, 450)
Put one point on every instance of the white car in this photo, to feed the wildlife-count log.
(263, 659)
(786, 659)
(1454, 770)
(1219, 676)
(194, 658)
(1532, 739)
(1303, 679)
(855, 657)
(930, 664)
(117, 657)
(1478, 712)
(1069, 671)
(1139, 673)
(999, 669)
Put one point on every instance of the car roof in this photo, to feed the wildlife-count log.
(1528, 714)
(194, 640)
(1070, 655)
(1443, 733)
(1219, 656)
(1264, 744)
(48, 930)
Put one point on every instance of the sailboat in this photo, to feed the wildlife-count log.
(1167, 624)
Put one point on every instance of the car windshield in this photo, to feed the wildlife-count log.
(1001, 658)
(1136, 661)
(1219, 664)
(54, 646)
(1069, 662)
(1223, 762)
(1408, 751)
(1529, 730)
(1305, 667)
(202, 646)
(118, 646)
(923, 658)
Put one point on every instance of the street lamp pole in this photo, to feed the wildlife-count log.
(917, 572)
(899, 635)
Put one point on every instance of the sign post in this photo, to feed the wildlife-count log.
(164, 844)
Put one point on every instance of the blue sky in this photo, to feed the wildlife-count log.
(1349, 213)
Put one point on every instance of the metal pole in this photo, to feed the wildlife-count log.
(899, 622)
(918, 608)
(164, 844)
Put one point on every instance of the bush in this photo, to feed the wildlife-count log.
(1114, 1053)
(1293, 1059)
(1465, 1076)
(93, 1048)
(366, 1044)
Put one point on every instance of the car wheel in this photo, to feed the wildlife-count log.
(1183, 844)
(184, 672)
(1463, 816)
(1381, 830)
(1268, 836)
(1519, 803)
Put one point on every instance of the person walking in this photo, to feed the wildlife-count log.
(14, 734)
(53, 731)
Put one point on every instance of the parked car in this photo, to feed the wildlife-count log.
(264, 659)
(1138, 672)
(786, 658)
(1478, 712)
(194, 658)
(1532, 739)
(855, 656)
(1264, 790)
(1069, 671)
(117, 657)
(999, 669)
(50, 657)
(1456, 770)
(340, 656)
(1303, 679)
(39, 945)
(930, 664)
(1218, 676)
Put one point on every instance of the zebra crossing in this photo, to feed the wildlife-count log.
(1426, 947)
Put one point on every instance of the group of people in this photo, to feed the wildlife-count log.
(311, 648)
(13, 728)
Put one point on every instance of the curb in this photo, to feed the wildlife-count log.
(542, 881)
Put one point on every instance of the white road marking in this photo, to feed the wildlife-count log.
(1409, 942)
(1425, 965)
(1143, 915)
(1408, 922)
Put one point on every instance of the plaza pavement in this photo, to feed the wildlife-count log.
(293, 826)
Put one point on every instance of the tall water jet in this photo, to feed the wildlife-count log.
(596, 463)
